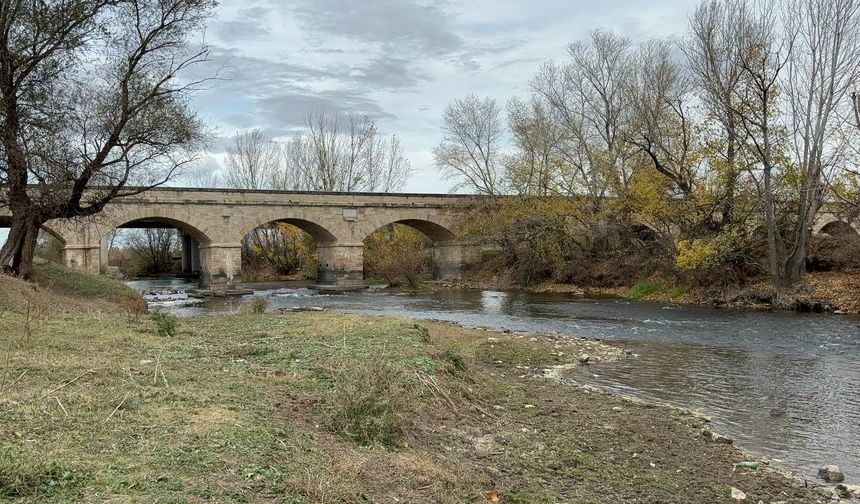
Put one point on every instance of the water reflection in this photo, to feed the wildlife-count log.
(493, 302)
(781, 384)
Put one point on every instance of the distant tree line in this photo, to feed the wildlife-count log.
(333, 152)
(721, 146)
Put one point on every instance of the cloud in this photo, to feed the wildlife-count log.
(289, 107)
(388, 73)
(275, 95)
(403, 25)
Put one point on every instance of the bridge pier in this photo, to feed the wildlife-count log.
(341, 265)
(86, 258)
(221, 266)
(190, 254)
(452, 260)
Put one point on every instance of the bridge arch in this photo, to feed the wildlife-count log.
(184, 223)
(57, 232)
(439, 230)
(447, 254)
(310, 223)
(837, 228)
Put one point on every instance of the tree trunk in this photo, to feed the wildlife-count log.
(797, 260)
(16, 256)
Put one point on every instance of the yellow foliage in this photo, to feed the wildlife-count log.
(699, 254)
(696, 254)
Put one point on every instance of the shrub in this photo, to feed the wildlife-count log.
(133, 308)
(644, 289)
(716, 260)
(165, 323)
(367, 403)
(258, 305)
(457, 361)
(397, 254)
(422, 332)
(535, 247)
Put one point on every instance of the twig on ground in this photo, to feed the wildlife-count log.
(159, 369)
(61, 406)
(67, 383)
(18, 379)
(437, 391)
(5, 374)
(155, 372)
(131, 377)
(117, 407)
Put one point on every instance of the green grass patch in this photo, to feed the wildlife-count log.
(644, 289)
(23, 475)
(67, 281)
(368, 404)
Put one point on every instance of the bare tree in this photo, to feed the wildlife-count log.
(713, 54)
(798, 64)
(91, 108)
(251, 159)
(472, 132)
(660, 94)
(151, 250)
(538, 134)
(386, 166)
(825, 64)
(204, 175)
(342, 153)
(763, 53)
(589, 93)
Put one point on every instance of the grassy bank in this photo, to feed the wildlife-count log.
(327, 407)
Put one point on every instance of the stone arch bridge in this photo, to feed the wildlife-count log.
(214, 221)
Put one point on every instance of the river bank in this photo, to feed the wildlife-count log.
(328, 407)
(822, 292)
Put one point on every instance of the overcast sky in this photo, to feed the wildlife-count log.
(398, 61)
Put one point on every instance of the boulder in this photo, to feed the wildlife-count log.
(584, 358)
(716, 438)
(828, 492)
(848, 491)
(738, 495)
(831, 474)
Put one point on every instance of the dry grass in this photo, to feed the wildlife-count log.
(329, 408)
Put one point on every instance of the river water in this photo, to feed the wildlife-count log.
(784, 385)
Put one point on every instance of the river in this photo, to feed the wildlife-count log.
(784, 385)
